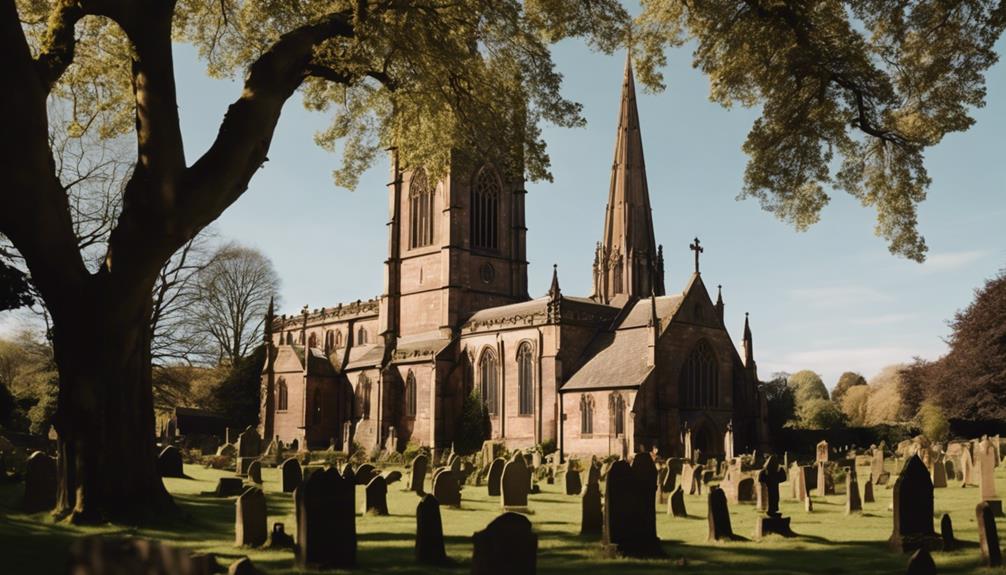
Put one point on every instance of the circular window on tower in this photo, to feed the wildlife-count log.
(487, 272)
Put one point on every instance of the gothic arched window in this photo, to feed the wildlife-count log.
(316, 407)
(289, 338)
(361, 336)
(489, 381)
(700, 378)
(329, 340)
(363, 396)
(338, 339)
(282, 398)
(420, 210)
(525, 380)
(586, 414)
(312, 340)
(486, 192)
(410, 394)
(616, 405)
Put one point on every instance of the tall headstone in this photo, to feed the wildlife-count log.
(769, 479)
(676, 503)
(986, 476)
(853, 504)
(430, 532)
(947, 533)
(251, 520)
(644, 472)
(868, 492)
(572, 482)
(988, 536)
(326, 521)
(938, 471)
(169, 462)
(39, 483)
(291, 475)
(249, 447)
(255, 472)
(728, 441)
(686, 442)
(506, 546)
(515, 483)
(376, 497)
(718, 516)
(877, 464)
(628, 498)
(494, 476)
(913, 509)
(592, 512)
(446, 487)
(823, 479)
(417, 475)
(967, 467)
(822, 452)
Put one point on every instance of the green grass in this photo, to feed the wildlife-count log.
(829, 542)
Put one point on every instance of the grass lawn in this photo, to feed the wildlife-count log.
(829, 542)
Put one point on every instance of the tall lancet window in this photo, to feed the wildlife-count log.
(525, 380)
(363, 396)
(489, 381)
(586, 414)
(700, 378)
(282, 395)
(420, 210)
(410, 394)
(486, 192)
(616, 406)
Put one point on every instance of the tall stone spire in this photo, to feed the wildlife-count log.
(627, 260)
(748, 344)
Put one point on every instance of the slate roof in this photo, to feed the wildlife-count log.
(366, 355)
(419, 346)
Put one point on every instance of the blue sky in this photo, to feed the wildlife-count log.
(830, 299)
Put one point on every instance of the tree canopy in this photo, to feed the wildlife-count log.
(846, 381)
(807, 385)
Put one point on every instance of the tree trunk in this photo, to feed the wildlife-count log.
(105, 418)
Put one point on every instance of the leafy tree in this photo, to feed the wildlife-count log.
(807, 386)
(864, 87)
(469, 75)
(474, 426)
(820, 413)
(884, 403)
(855, 405)
(15, 289)
(237, 396)
(933, 423)
(846, 381)
(781, 401)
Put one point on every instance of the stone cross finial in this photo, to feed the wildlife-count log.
(695, 247)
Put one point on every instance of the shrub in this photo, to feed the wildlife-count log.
(474, 427)
(934, 424)
(548, 447)
(412, 450)
(821, 414)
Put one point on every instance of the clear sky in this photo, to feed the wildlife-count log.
(831, 299)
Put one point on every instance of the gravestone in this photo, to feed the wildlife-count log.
(391, 442)
(494, 476)
(515, 483)
(921, 563)
(229, 487)
(950, 469)
(718, 516)
(40, 483)
(417, 475)
(868, 492)
(430, 532)
(365, 473)
(169, 462)
(376, 497)
(853, 504)
(676, 503)
(967, 467)
(939, 471)
(825, 482)
(728, 441)
(822, 452)
(773, 521)
(947, 533)
(808, 504)
(746, 490)
(572, 481)
(988, 536)
(326, 521)
(626, 527)
(393, 476)
(250, 519)
(505, 547)
(986, 476)
(644, 471)
(689, 479)
(97, 555)
(291, 475)
(446, 488)
(913, 509)
(249, 446)
(255, 472)
(227, 450)
(279, 538)
(592, 512)
(877, 464)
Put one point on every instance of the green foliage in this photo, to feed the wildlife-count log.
(884, 405)
(547, 447)
(855, 405)
(28, 384)
(807, 386)
(474, 426)
(846, 381)
(820, 413)
(851, 93)
(237, 396)
(933, 423)
(781, 401)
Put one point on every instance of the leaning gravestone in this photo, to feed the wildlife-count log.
(255, 472)
(291, 475)
(506, 546)
(987, 478)
(921, 563)
(39, 483)
(376, 497)
(417, 476)
(988, 536)
(913, 509)
(718, 516)
(250, 519)
(592, 512)
(430, 532)
(446, 488)
(326, 521)
(494, 476)
(572, 482)
(515, 483)
(169, 462)
(676, 503)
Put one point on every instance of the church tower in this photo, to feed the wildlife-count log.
(627, 261)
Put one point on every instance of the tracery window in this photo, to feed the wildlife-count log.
(420, 210)
(282, 397)
(410, 394)
(525, 380)
(361, 336)
(489, 381)
(616, 405)
(700, 378)
(338, 339)
(486, 192)
(363, 386)
(586, 414)
(312, 340)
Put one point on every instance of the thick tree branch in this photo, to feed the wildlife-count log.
(60, 43)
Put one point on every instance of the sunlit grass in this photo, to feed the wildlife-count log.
(829, 542)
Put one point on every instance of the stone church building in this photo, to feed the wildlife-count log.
(628, 368)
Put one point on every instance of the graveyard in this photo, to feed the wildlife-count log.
(826, 539)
